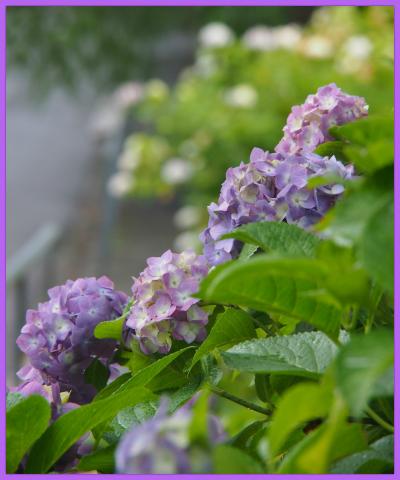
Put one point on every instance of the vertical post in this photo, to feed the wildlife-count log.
(18, 319)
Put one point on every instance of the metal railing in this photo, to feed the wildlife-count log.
(40, 248)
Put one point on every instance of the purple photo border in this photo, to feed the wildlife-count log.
(10, 3)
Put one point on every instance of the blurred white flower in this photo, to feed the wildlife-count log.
(242, 96)
(259, 37)
(120, 184)
(107, 120)
(358, 47)
(215, 35)
(317, 46)
(264, 38)
(128, 94)
(187, 217)
(186, 241)
(129, 159)
(287, 36)
(205, 65)
(176, 170)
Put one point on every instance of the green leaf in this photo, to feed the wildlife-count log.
(247, 251)
(361, 132)
(369, 158)
(101, 460)
(334, 439)
(113, 328)
(26, 421)
(125, 419)
(376, 250)
(97, 374)
(110, 328)
(304, 354)
(198, 428)
(263, 387)
(231, 327)
(328, 149)
(228, 459)
(183, 394)
(137, 360)
(68, 428)
(275, 285)
(319, 449)
(377, 458)
(359, 366)
(65, 431)
(299, 404)
(112, 387)
(346, 281)
(329, 179)
(345, 223)
(144, 376)
(243, 438)
(277, 237)
(368, 142)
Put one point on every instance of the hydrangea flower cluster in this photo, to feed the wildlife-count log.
(58, 337)
(272, 187)
(161, 444)
(308, 125)
(164, 306)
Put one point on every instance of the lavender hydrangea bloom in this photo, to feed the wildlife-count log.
(58, 337)
(157, 445)
(161, 445)
(164, 306)
(271, 187)
(308, 124)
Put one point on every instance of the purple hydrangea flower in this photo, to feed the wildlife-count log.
(161, 445)
(308, 124)
(271, 187)
(58, 337)
(164, 306)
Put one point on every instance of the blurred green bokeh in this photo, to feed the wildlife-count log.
(107, 45)
(238, 94)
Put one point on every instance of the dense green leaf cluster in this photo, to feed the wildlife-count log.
(299, 349)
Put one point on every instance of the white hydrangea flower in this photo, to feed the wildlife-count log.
(120, 184)
(129, 159)
(317, 46)
(260, 38)
(358, 47)
(216, 35)
(176, 170)
(105, 121)
(241, 96)
(186, 241)
(187, 217)
(128, 94)
(287, 36)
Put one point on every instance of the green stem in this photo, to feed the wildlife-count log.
(380, 421)
(239, 401)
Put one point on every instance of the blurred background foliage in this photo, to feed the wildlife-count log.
(109, 45)
(237, 95)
